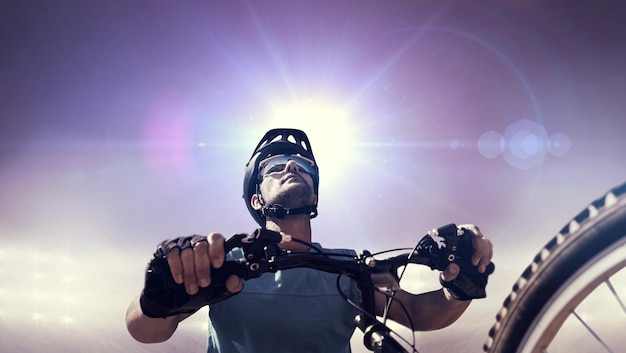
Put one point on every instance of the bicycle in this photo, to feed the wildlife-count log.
(572, 254)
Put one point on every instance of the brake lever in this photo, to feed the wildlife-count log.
(259, 247)
(445, 245)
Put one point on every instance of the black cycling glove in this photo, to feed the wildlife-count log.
(162, 297)
(449, 244)
(467, 286)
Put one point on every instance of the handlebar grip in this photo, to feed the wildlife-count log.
(491, 268)
(469, 283)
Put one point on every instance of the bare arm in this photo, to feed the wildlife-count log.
(428, 311)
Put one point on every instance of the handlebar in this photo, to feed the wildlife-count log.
(163, 297)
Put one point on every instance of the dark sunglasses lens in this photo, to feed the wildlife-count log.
(278, 165)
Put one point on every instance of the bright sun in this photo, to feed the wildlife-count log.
(328, 129)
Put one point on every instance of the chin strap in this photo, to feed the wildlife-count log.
(278, 211)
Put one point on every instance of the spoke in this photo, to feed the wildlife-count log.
(608, 349)
(615, 294)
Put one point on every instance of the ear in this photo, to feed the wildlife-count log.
(255, 202)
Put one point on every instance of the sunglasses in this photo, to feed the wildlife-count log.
(277, 164)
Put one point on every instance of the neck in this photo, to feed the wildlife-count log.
(297, 226)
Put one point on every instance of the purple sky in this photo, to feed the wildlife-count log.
(123, 123)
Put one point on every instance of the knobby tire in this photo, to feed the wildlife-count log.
(534, 311)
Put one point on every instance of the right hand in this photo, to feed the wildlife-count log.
(192, 266)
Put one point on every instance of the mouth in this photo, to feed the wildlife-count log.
(292, 176)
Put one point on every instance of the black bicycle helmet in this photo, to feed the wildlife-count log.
(278, 142)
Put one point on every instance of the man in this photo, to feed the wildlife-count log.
(298, 309)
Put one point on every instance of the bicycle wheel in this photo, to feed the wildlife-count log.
(571, 269)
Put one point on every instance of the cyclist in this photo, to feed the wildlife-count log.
(298, 309)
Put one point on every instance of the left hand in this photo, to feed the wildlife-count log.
(483, 252)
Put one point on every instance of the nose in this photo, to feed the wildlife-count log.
(291, 166)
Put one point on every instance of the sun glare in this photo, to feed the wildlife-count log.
(328, 129)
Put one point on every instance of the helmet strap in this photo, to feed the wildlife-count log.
(279, 212)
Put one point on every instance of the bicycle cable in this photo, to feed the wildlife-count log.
(373, 315)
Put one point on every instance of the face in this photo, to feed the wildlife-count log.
(286, 181)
